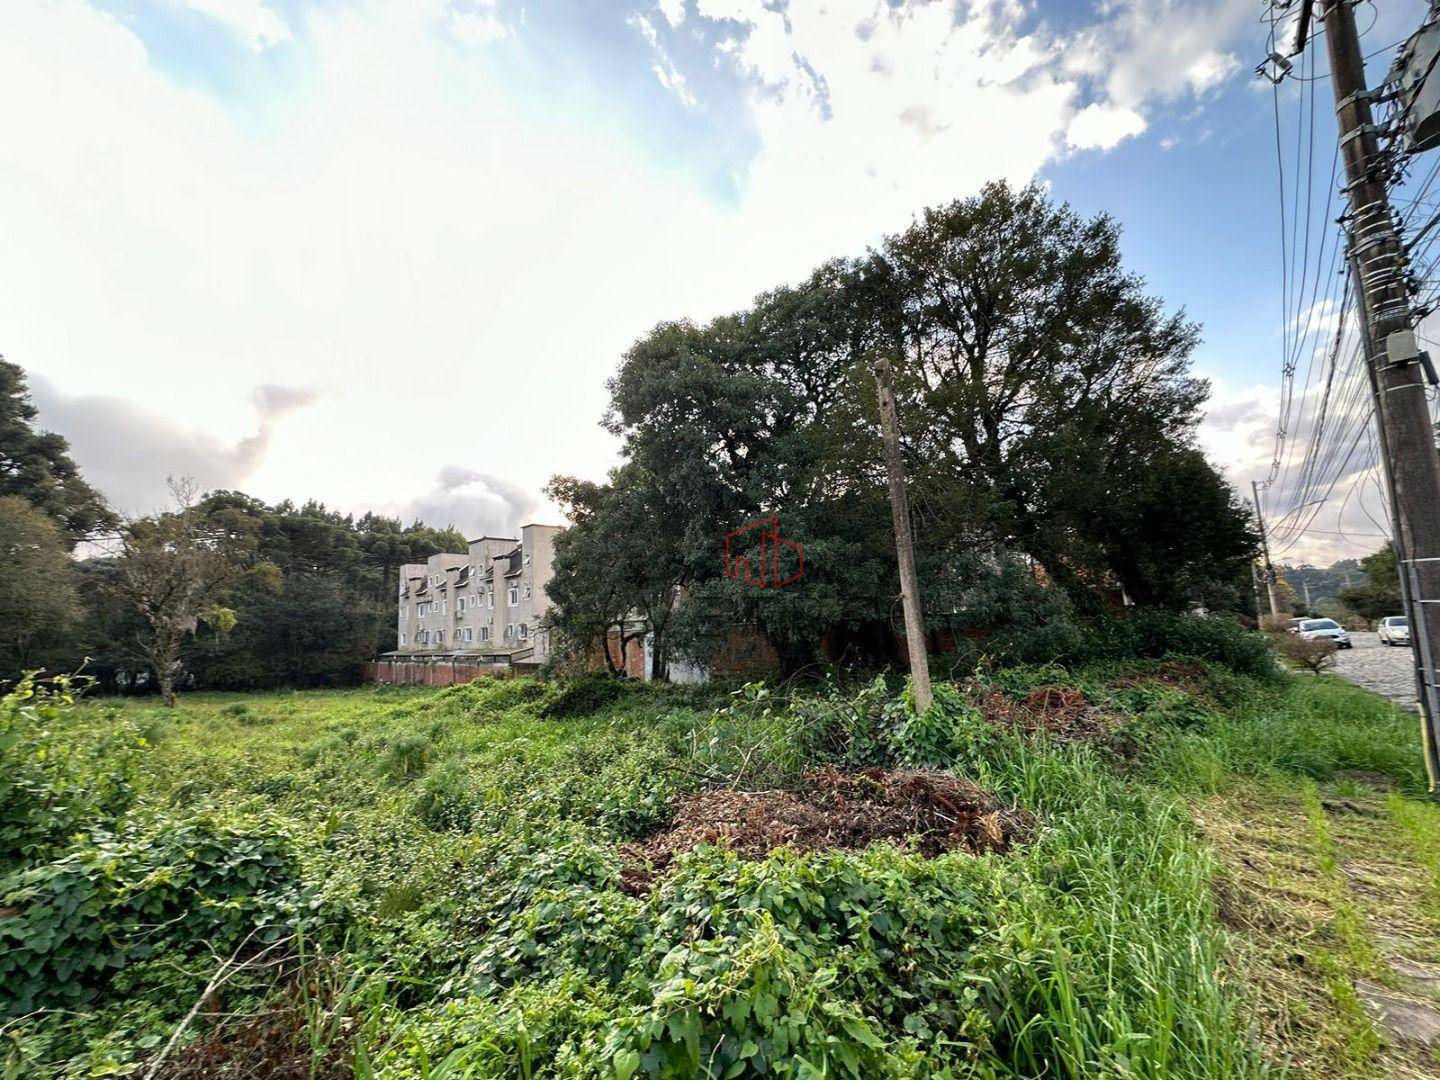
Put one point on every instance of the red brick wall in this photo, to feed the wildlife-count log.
(744, 651)
(634, 661)
(430, 672)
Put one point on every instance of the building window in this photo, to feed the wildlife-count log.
(524, 631)
(402, 640)
(439, 637)
(527, 590)
(514, 595)
(490, 599)
(460, 605)
(484, 633)
(527, 558)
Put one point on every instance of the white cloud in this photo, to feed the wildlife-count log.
(673, 10)
(1238, 432)
(476, 503)
(454, 279)
(128, 451)
(1147, 51)
(870, 114)
(1320, 320)
(479, 26)
(1103, 127)
(664, 68)
(250, 20)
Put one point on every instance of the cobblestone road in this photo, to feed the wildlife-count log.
(1388, 670)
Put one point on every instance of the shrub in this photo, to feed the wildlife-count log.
(445, 800)
(1162, 633)
(944, 731)
(581, 697)
(51, 784)
(1312, 654)
(407, 756)
(76, 919)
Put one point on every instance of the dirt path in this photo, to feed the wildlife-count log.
(1332, 893)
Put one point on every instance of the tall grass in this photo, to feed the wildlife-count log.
(1111, 955)
(1315, 727)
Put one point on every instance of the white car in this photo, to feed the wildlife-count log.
(1325, 628)
(1394, 630)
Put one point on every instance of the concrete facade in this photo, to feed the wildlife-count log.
(485, 606)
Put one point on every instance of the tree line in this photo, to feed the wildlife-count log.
(1048, 420)
(220, 590)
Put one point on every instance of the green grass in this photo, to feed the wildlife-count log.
(453, 860)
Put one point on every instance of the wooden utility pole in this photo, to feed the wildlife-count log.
(1401, 408)
(1265, 550)
(1255, 584)
(904, 541)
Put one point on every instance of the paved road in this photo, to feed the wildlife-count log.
(1386, 669)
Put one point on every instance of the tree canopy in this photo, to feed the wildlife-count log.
(36, 466)
(38, 588)
(1379, 595)
(1047, 413)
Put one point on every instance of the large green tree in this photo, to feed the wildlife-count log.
(175, 569)
(39, 601)
(36, 466)
(1047, 412)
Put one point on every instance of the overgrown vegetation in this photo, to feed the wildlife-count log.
(492, 879)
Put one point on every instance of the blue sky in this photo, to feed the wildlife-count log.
(436, 224)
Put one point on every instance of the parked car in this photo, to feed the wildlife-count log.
(1325, 628)
(1293, 626)
(1394, 630)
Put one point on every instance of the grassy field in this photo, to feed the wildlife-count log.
(1209, 876)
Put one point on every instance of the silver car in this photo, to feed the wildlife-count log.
(1325, 628)
(1394, 630)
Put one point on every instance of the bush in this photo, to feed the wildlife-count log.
(1312, 654)
(407, 756)
(446, 800)
(582, 697)
(78, 918)
(1162, 633)
(51, 784)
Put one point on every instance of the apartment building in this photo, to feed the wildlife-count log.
(485, 606)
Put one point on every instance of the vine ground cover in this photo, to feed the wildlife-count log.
(439, 884)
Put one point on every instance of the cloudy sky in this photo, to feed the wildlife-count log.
(385, 254)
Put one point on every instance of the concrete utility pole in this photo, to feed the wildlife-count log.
(1255, 584)
(1402, 413)
(904, 541)
(1306, 586)
(1363, 308)
(1265, 549)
